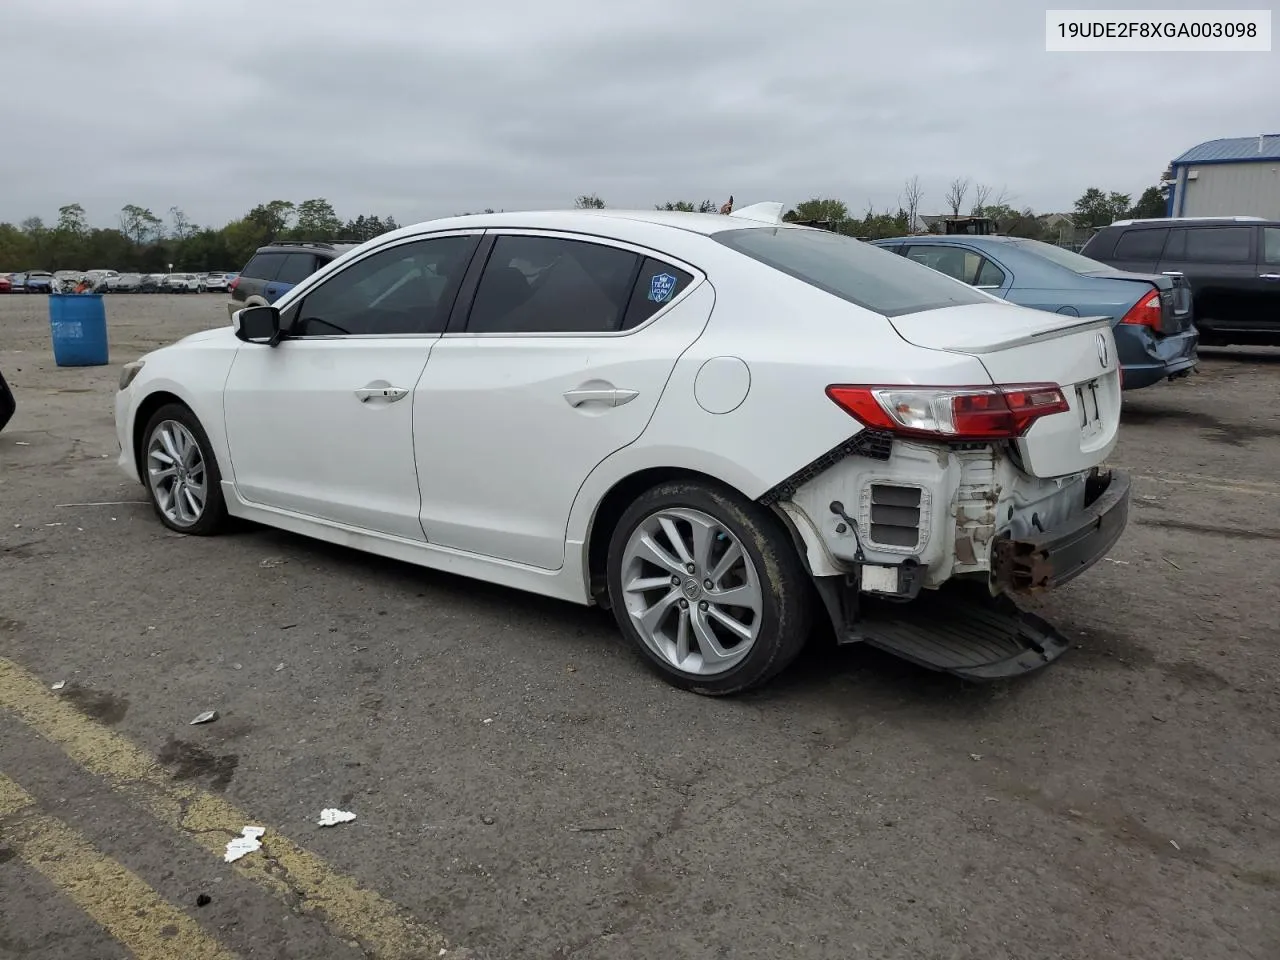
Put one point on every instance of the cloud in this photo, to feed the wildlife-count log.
(422, 109)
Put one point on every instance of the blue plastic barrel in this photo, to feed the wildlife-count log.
(78, 322)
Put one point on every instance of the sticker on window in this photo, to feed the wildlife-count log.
(661, 287)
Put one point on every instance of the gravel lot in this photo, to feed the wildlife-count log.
(524, 788)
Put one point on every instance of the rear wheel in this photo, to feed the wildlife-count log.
(181, 472)
(708, 587)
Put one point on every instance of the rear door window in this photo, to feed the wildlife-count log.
(264, 266)
(956, 262)
(1140, 244)
(1218, 245)
(534, 284)
(862, 274)
(967, 266)
(296, 268)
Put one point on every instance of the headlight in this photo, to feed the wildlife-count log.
(128, 372)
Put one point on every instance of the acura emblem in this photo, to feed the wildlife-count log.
(1101, 342)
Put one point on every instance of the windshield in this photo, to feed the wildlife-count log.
(872, 278)
(1061, 256)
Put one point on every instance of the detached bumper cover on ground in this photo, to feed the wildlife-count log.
(964, 630)
(1062, 554)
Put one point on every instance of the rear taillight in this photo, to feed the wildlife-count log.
(233, 283)
(961, 413)
(1146, 313)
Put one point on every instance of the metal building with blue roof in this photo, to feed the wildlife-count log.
(1239, 176)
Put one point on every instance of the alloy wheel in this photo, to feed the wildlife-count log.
(692, 591)
(176, 473)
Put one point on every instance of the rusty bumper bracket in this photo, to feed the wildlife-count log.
(1062, 554)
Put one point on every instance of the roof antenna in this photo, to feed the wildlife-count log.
(728, 207)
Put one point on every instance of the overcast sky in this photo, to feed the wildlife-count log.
(421, 108)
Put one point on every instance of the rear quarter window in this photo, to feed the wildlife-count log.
(864, 275)
(657, 285)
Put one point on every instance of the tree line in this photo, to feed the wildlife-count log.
(148, 243)
(1094, 208)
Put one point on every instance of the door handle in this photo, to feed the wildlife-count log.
(1269, 276)
(390, 394)
(1172, 273)
(612, 396)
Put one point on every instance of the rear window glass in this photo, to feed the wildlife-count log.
(1063, 257)
(264, 266)
(872, 278)
(1141, 244)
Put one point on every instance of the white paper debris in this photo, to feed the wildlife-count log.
(59, 685)
(487, 720)
(330, 816)
(250, 839)
(273, 562)
(207, 717)
(279, 667)
(21, 443)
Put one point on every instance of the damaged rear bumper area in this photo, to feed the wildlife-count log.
(1060, 554)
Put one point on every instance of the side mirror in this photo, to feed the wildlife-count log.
(258, 325)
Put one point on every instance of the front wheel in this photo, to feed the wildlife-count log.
(708, 587)
(181, 472)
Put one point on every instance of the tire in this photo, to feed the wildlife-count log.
(771, 576)
(174, 509)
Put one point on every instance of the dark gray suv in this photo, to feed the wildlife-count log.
(1231, 263)
(277, 268)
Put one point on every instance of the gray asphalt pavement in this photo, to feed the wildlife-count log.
(524, 788)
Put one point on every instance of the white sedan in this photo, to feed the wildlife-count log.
(716, 426)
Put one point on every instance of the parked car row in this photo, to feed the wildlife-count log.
(1232, 265)
(1169, 285)
(112, 281)
(1151, 315)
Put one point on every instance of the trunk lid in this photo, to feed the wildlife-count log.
(1019, 345)
(1175, 297)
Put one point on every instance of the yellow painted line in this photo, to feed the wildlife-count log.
(297, 876)
(117, 899)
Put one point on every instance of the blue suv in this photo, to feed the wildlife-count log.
(277, 268)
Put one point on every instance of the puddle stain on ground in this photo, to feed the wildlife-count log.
(1196, 676)
(24, 550)
(190, 761)
(1101, 649)
(1219, 431)
(107, 708)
